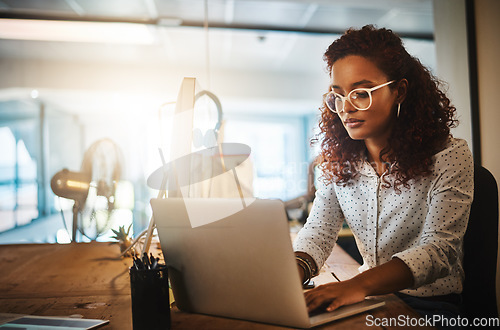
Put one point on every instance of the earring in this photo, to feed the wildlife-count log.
(399, 108)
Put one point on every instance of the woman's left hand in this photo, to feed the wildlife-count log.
(333, 295)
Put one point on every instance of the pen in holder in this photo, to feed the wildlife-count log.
(150, 294)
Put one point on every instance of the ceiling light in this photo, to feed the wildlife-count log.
(72, 31)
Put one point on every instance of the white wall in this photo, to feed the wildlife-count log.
(452, 66)
(289, 91)
(452, 61)
(488, 47)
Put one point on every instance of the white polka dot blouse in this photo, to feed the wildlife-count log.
(422, 225)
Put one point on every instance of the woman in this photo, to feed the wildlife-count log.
(394, 173)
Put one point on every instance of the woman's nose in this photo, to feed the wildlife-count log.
(348, 107)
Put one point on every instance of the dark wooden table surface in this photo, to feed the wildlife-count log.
(91, 281)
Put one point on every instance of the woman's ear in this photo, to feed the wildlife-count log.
(402, 88)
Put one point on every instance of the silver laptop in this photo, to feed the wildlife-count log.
(240, 265)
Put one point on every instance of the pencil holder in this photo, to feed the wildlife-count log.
(150, 298)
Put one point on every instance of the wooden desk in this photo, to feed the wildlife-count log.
(88, 279)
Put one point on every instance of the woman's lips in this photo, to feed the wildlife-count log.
(353, 123)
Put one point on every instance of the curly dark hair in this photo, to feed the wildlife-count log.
(422, 128)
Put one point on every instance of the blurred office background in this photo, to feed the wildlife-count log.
(79, 72)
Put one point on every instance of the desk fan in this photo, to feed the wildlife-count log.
(93, 188)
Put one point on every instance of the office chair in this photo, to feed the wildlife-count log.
(480, 248)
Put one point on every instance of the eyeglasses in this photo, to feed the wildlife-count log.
(360, 98)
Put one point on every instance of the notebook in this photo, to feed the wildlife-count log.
(240, 266)
(32, 322)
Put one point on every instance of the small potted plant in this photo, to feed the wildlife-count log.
(124, 239)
